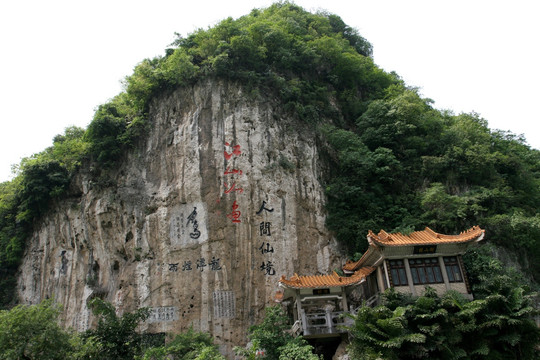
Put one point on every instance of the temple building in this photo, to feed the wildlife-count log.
(407, 263)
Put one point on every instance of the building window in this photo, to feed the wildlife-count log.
(425, 271)
(385, 281)
(397, 271)
(452, 269)
(321, 291)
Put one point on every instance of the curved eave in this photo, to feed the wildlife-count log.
(325, 281)
(426, 237)
(368, 259)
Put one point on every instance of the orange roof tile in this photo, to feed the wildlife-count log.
(425, 237)
(324, 281)
(351, 265)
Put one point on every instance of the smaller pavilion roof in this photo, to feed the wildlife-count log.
(325, 281)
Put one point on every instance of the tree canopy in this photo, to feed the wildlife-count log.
(406, 165)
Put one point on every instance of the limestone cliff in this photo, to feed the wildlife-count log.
(200, 221)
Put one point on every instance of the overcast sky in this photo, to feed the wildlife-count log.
(60, 59)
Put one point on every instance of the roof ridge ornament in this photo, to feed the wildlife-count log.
(383, 235)
(432, 233)
(370, 237)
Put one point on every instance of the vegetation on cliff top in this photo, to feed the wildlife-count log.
(397, 163)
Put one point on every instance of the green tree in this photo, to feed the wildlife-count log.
(444, 211)
(104, 133)
(498, 324)
(501, 319)
(298, 350)
(295, 54)
(190, 345)
(271, 335)
(32, 332)
(68, 149)
(117, 335)
(381, 333)
(10, 234)
(41, 181)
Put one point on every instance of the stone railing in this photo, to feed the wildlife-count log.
(324, 323)
(373, 301)
(296, 329)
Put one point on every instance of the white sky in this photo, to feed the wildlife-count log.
(60, 59)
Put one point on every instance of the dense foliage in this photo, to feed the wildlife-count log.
(191, 345)
(272, 338)
(305, 59)
(41, 178)
(32, 332)
(498, 324)
(405, 165)
(117, 335)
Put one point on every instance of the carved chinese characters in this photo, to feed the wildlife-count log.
(265, 230)
(188, 225)
(224, 304)
(163, 314)
(187, 265)
(232, 176)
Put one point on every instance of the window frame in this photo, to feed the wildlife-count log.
(426, 271)
(452, 263)
(396, 267)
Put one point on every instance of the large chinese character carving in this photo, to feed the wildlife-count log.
(268, 268)
(232, 188)
(263, 207)
(230, 171)
(235, 214)
(186, 266)
(264, 228)
(235, 151)
(191, 219)
(201, 264)
(214, 264)
(266, 249)
(173, 267)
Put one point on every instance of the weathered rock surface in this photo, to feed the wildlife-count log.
(222, 199)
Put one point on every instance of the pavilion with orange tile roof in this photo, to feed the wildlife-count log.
(406, 262)
(426, 239)
(325, 281)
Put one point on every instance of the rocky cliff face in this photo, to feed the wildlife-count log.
(223, 198)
